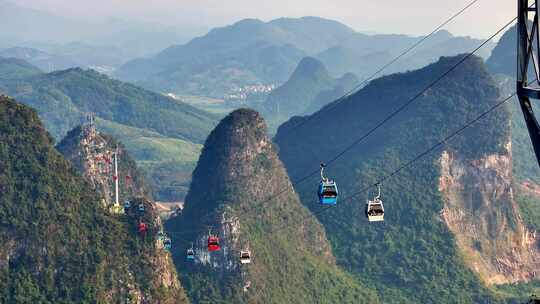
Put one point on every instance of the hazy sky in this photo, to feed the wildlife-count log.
(385, 16)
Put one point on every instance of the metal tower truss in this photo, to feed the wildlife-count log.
(527, 67)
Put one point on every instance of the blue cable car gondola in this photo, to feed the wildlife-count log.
(190, 255)
(167, 243)
(328, 191)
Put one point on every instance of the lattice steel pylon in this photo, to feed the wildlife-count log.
(527, 65)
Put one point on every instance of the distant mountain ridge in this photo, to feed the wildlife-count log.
(77, 91)
(503, 59)
(364, 54)
(71, 42)
(251, 51)
(21, 21)
(308, 89)
(13, 68)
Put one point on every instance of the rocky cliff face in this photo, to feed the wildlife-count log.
(234, 195)
(94, 155)
(161, 274)
(481, 211)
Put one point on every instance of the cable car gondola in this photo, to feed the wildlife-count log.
(375, 208)
(245, 256)
(213, 243)
(142, 228)
(327, 192)
(190, 254)
(167, 243)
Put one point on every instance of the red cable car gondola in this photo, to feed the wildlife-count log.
(213, 243)
(142, 228)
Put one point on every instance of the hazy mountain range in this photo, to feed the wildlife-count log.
(77, 43)
(256, 52)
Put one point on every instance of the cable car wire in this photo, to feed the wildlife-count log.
(382, 68)
(412, 161)
(394, 113)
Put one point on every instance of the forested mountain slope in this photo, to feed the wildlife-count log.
(233, 194)
(58, 245)
(452, 224)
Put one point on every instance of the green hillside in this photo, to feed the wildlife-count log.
(412, 255)
(167, 161)
(63, 97)
(11, 68)
(231, 189)
(156, 129)
(58, 244)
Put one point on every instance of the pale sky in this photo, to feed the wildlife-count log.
(415, 17)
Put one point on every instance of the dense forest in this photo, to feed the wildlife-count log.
(59, 245)
(231, 194)
(412, 250)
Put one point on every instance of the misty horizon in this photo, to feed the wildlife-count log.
(415, 18)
